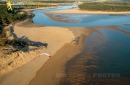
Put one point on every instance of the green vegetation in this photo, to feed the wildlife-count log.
(7, 17)
(26, 6)
(117, 7)
(57, 1)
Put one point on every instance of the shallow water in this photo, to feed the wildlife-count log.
(124, 27)
(105, 60)
(83, 19)
(115, 55)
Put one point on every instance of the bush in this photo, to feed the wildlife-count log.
(117, 7)
(7, 17)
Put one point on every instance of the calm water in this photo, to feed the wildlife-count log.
(84, 19)
(124, 27)
(105, 59)
(113, 55)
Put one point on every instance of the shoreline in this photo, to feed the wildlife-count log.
(78, 11)
(63, 43)
(59, 47)
(63, 52)
(53, 71)
(30, 62)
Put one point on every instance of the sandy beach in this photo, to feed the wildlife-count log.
(78, 11)
(43, 34)
(29, 68)
(59, 47)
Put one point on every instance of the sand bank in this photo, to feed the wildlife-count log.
(78, 11)
(61, 18)
(55, 37)
(54, 69)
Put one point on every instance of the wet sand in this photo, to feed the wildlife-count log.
(54, 73)
(54, 69)
(81, 69)
(61, 18)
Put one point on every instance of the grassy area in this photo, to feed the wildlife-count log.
(117, 7)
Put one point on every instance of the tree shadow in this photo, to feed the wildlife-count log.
(23, 43)
(1, 29)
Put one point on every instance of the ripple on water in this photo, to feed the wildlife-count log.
(99, 58)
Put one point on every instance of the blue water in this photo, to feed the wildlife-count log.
(123, 27)
(85, 19)
(115, 55)
(104, 52)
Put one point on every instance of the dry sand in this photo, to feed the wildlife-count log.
(56, 37)
(78, 11)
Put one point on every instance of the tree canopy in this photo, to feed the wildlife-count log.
(117, 7)
(7, 16)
